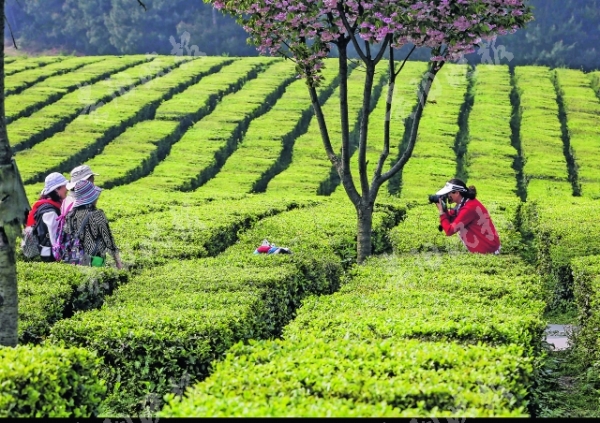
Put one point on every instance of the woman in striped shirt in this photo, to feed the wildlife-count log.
(95, 233)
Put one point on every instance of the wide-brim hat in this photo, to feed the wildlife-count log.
(449, 188)
(53, 181)
(80, 173)
(85, 192)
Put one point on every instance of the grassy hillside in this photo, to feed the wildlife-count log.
(203, 158)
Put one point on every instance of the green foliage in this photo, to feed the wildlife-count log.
(23, 80)
(497, 301)
(52, 103)
(49, 292)
(586, 290)
(582, 124)
(489, 158)
(563, 237)
(124, 27)
(595, 82)
(212, 303)
(570, 388)
(556, 39)
(44, 381)
(344, 356)
(433, 161)
(315, 377)
(197, 289)
(30, 63)
(542, 149)
(106, 122)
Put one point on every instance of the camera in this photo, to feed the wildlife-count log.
(436, 198)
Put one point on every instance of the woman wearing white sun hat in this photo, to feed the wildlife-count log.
(45, 212)
(96, 236)
(470, 219)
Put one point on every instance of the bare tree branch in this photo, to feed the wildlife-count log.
(386, 126)
(405, 59)
(388, 39)
(343, 166)
(423, 93)
(314, 98)
(364, 125)
(388, 111)
(11, 32)
(351, 33)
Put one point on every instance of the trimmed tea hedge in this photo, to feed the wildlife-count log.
(316, 377)
(49, 382)
(347, 354)
(545, 165)
(586, 289)
(433, 161)
(174, 321)
(582, 121)
(492, 299)
(49, 292)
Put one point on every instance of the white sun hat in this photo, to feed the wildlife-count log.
(450, 187)
(53, 181)
(80, 173)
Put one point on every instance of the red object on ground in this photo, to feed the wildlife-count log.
(263, 248)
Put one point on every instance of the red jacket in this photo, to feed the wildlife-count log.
(474, 226)
(36, 205)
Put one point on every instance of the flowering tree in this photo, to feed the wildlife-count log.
(307, 30)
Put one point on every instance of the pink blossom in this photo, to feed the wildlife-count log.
(307, 30)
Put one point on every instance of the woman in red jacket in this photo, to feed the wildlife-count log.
(469, 218)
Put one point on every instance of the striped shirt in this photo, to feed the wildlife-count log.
(97, 237)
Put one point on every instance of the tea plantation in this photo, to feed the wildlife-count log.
(201, 158)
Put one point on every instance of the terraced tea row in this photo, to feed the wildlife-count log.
(14, 84)
(201, 307)
(545, 167)
(30, 63)
(135, 153)
(582, 110)
(54, 89)
(85, 136)
(181, 213)
(433, 160)
(165, 138)
(400, 339)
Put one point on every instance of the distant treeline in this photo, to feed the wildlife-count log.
(564, 33)
(93, 27)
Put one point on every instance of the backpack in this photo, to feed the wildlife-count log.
(69, 248)
(58, 250)
(30, 245)
(35, 237)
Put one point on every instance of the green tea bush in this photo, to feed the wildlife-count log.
(494, 299)
(44, 381)
(563, 236)
(49, 292)
(392, 342)
(586, 290)
(316, 377)
(175, 320)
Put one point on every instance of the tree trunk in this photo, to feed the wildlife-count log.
(365, 224)
(8, 292)
(13, 206)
